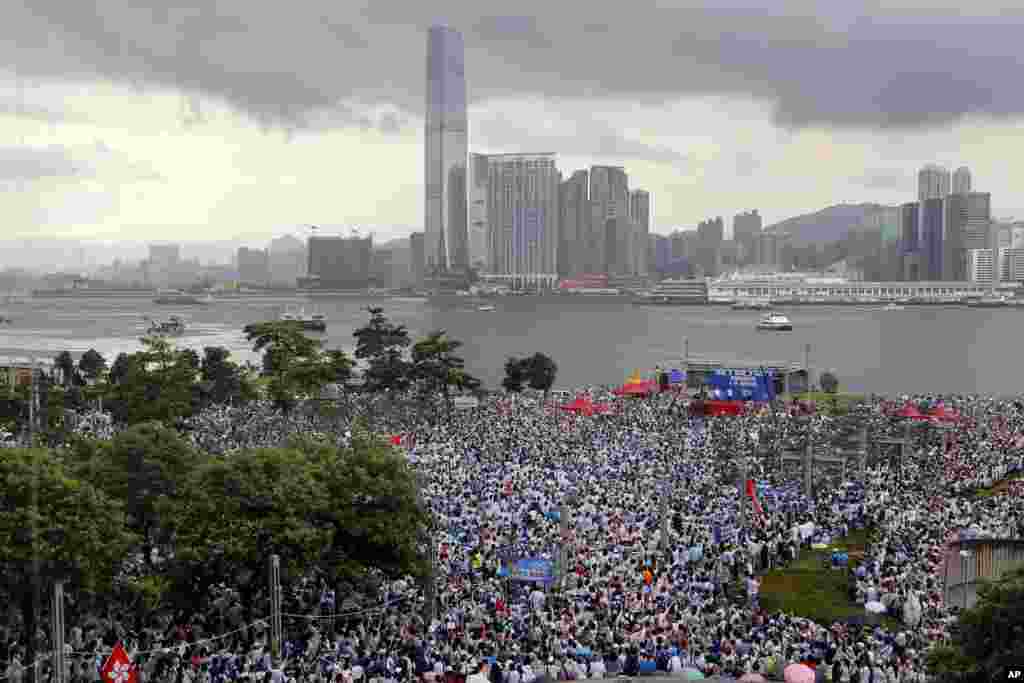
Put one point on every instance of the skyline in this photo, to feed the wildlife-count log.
(155, 124)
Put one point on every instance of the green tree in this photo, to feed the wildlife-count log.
(119, 370)
(294, 362)
(223, 380)
(541, 371)
(92, 365)
(986, 641)
(54, 527)
(516, 375)
(65, 364)
(829, 383)
(436, 367)
(159, 384)
(382, 344)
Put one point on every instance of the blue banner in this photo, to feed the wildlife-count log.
(677, 377)
(742, 385)
(531, 569)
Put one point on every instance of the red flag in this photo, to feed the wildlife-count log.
(396, 440)
(118, 668)
(752, 492)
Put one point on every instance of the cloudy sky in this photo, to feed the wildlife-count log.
(193, 119)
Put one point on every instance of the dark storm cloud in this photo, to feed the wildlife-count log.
(838, 66)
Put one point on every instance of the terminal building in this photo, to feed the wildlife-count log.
(824, 289)
(336, 262)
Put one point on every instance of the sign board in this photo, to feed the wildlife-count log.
(466, 402)
(532, 569)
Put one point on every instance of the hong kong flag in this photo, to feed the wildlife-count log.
(118, 668)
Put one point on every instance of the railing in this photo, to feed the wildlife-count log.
(986, 559)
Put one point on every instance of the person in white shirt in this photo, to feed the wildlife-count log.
(482, 675)
(597, 669)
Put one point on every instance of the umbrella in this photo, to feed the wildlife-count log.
(798, 673)
(752, 678)
(942, 413)
(693, 675)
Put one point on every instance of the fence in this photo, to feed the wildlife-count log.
(987, 559)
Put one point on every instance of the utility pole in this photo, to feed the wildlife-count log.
(275, 610)
(57, 632)
(807, 367)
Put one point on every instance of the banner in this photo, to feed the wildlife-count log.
(742, 385)
(753, 497)
(530, 569)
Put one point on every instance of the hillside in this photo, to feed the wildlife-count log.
(825, 226)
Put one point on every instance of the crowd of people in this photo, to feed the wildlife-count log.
(647, 556)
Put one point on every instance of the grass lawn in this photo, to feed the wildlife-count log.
(808, 589)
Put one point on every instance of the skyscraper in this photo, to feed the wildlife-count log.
(745, 230)
(445, 235)
(968, 226)
(573, 224)
(932, 182)
(962, 180)
(930, 238)
(640, 215)
(522, 211)
(609, 249)
(478, 179)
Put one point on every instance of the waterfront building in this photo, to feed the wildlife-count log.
(933, 182)
(337, 262)
(683, 291)
(522, 209)
(968, 225)
(640, 216)
(287, 259)
(1011, 264)
(253, 267)
(909, 214)
(746, 228)
(609, 249)
(930, 239)
(962, 180)
(573, 224)
(980, 265)
(478, 234)
(821, 289)
(446, 147)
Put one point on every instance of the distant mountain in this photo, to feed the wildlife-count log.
(825, 226)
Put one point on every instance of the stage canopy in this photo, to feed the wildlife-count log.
(943, 414)
(584, 406)
(910, 412)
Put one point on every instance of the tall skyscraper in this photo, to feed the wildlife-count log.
(909, 219)
(573, 224)
(336, 262)
(522, 210)
(417, 258)
(609, 243)
(962, 180)
(640, 215)
(968, 226)
(930, 238)
(745, 230)
(478, 179)
(445, 233)
(932, 182)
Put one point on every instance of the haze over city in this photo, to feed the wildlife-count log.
(232, 121)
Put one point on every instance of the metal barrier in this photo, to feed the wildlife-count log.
(971, 561)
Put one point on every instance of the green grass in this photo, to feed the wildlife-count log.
(807, 589)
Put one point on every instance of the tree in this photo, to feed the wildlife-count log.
(382, 344)
(119, 370)
(436, 367)
(986, 642)
(516, 375)
(223, 381)
(294, 362)
(92, 365)
(541, 371)
(159, 383)
(829, 383)
(65, 364)
(62, 527)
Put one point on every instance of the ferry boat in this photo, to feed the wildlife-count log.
(775, 322)
(172, 327)
(176, 297)
(486, 307)
(988, 302)
(315, 322)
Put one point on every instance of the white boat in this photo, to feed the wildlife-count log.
(315, 322)
(172, 327)
(486, 307)
(892, 307)
(775, 322)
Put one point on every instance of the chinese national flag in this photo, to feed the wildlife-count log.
(118, 668)
(396, 440)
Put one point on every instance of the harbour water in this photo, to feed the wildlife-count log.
(593, 340)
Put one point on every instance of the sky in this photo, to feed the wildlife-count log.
(197, 120)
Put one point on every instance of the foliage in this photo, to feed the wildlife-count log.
(516, 375)
(435, 367)
(294, 362)
(80, 535)
(119, 370)
(66, 365)
(829, 383)
(223, 381)
(541, 371)
(92, 365)
(987, 639)
(159, 383)
(382, 344)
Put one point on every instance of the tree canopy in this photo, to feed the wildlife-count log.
(382, 345)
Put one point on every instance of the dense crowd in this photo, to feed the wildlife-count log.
(660, 557)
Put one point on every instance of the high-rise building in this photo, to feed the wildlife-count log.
(287, 260)
(339, 262)
(383, 268)
(909, 219)
(962, 180)
(1011, 264)
(164, 255)
(640, 215)
(933, 182)
(478, 179)
(967, 226)
(745, 230)
(445, 233)
(573, 224)
(609, 247)
(417, 258)
(522, 210)
(253, 268)
(710, 235)
(980, 265)
(930, 238)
